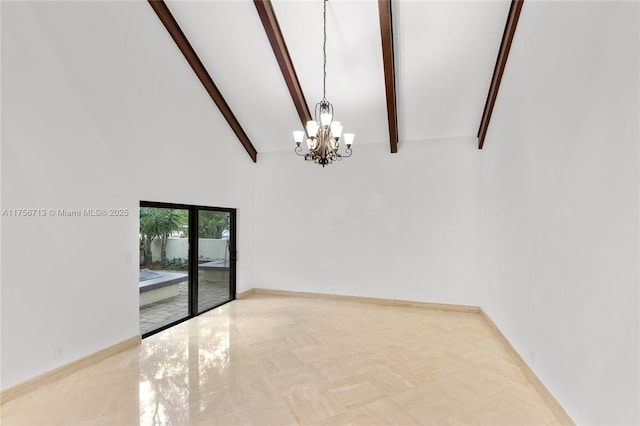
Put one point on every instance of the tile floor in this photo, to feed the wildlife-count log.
(270, 360)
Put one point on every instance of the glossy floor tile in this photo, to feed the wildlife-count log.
(270, 360)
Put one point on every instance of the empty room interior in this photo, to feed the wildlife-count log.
(470, 256)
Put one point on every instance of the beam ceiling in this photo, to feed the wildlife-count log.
(429, 83)
(279, 46)
(169, 22)
(501, 62)
(386, 34)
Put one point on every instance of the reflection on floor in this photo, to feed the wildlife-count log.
(284, 360)
(163, 312)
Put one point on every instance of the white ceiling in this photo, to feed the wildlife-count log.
(445, 54)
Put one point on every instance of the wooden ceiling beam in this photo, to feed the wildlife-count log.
(386, 34)
(169, 22)
(501, 62)
(279, 46)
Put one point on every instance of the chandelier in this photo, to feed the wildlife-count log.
(323, 134)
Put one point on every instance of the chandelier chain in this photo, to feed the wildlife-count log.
(324, 53)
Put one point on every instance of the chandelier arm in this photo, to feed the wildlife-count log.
(298, 150)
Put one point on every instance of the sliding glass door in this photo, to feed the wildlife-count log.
(187, 262)
(214, 258)
(164, 267)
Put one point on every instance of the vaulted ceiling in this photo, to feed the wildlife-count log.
(439, 77)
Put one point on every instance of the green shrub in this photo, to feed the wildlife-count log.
(176, 264)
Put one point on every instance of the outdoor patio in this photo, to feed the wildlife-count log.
(157, 314)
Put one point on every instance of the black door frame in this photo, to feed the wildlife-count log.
(193, 256)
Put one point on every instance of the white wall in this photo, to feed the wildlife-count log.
(540, 228)
(178, 248)
(559, 232)
(397, 226)
(100, 112)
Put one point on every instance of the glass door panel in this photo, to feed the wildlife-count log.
(164, 267)
(214, 258)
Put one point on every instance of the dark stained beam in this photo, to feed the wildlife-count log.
(190, 55)
(386, 34)
(272, 28)
(501, 61)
